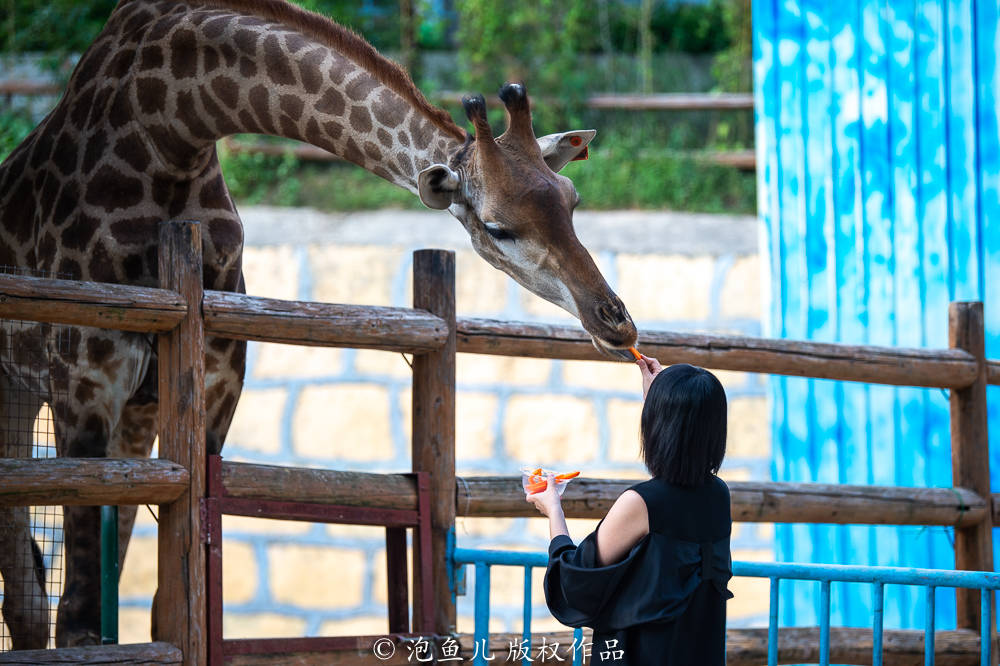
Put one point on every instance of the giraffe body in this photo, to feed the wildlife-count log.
(132, 143)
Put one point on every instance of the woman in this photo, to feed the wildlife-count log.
(651, 579)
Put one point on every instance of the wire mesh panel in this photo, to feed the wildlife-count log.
(31, 538)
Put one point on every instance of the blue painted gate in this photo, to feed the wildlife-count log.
(878, 166)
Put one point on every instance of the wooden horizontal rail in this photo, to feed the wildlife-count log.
(993, 372)
(944, 368)
(288, 484)
(29, 87)
(755, 502)
(90, 481)
(108, 655)
(502, 496)
(116, 306)
(242, 317)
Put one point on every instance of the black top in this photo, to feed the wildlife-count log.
(665, 603)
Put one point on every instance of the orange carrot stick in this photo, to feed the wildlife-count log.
(567, 476)
(635, 352)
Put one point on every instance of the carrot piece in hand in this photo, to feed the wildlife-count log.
(567, 476)
(635, 352)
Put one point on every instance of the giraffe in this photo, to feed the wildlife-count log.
(132, 143)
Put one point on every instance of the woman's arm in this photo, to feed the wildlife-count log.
(550, 504)
(626, 523)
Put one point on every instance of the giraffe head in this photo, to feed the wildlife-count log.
(518, 211)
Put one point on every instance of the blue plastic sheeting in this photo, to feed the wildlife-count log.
(878, 174)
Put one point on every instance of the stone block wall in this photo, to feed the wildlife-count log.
(350, 409)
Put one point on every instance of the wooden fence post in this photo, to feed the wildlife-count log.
(179, 609)
(970, 456)
(434, 428)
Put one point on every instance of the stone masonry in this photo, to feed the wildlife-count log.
(350, 409)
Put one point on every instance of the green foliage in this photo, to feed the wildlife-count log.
(58, 27)
(14, 127)
(534, 42)
(732, 67)
(255, 178)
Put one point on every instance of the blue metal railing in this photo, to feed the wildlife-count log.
(825, 574)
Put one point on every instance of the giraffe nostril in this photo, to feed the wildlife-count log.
(612, 314)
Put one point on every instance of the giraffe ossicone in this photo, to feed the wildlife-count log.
(132, 143)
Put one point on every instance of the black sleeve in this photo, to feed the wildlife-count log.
(653, 583)
(577, 590)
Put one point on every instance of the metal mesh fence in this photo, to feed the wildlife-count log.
(30, 568)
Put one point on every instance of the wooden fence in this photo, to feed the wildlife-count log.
(182, 315)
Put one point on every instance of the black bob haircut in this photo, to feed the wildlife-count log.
(683, 425)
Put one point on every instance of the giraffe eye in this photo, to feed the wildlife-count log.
(498, 232)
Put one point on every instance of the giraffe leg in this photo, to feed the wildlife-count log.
(91, 384)
(25, 600)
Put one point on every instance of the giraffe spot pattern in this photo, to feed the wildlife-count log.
(65, 154)
(331, 103)
(295, 42)
(333, 129)
(162, 27)
(209, 59)
(405, 165)
(131, 149)
(222, 122)
(246, 41)
(309, 70)
(389, 109)
(353, 153)
(69, 196)
(213, 28)
(184, 54)
(260, 102)
(279, 70)
(69, 267)
(372, 150)
(46, 249)
(81, 107)
(81, 230)
(248, 68)
(111, 190)
(101, 266)
(361, 119)
(292, 105)
(119, 64)
(151, 57)
(49, 190)
(360, 87)
(339, 68)
(96, 144)
(152, 95)
(227, 90)
(229, 54)
(313, 134)
(190, 115)
(119, 114)
(133, 267)
(384, 138)
(404, 138)
(288, 127)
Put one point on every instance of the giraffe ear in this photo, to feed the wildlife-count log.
(560, 149)
(437, 185)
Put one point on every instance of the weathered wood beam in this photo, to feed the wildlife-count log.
(179, 612)
(115, 306)
(287, 484)
(993, 372)
(970, 457)
(89, 481)
(432, 447)
(945, 368)
(242, 317)
(107, 655)
(751, 502)
(502, 496)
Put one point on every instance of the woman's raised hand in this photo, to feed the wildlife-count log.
(649, 367)
(547, 501)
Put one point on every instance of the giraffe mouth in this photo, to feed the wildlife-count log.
(612, 351)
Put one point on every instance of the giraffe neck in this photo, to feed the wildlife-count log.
(208, 72)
